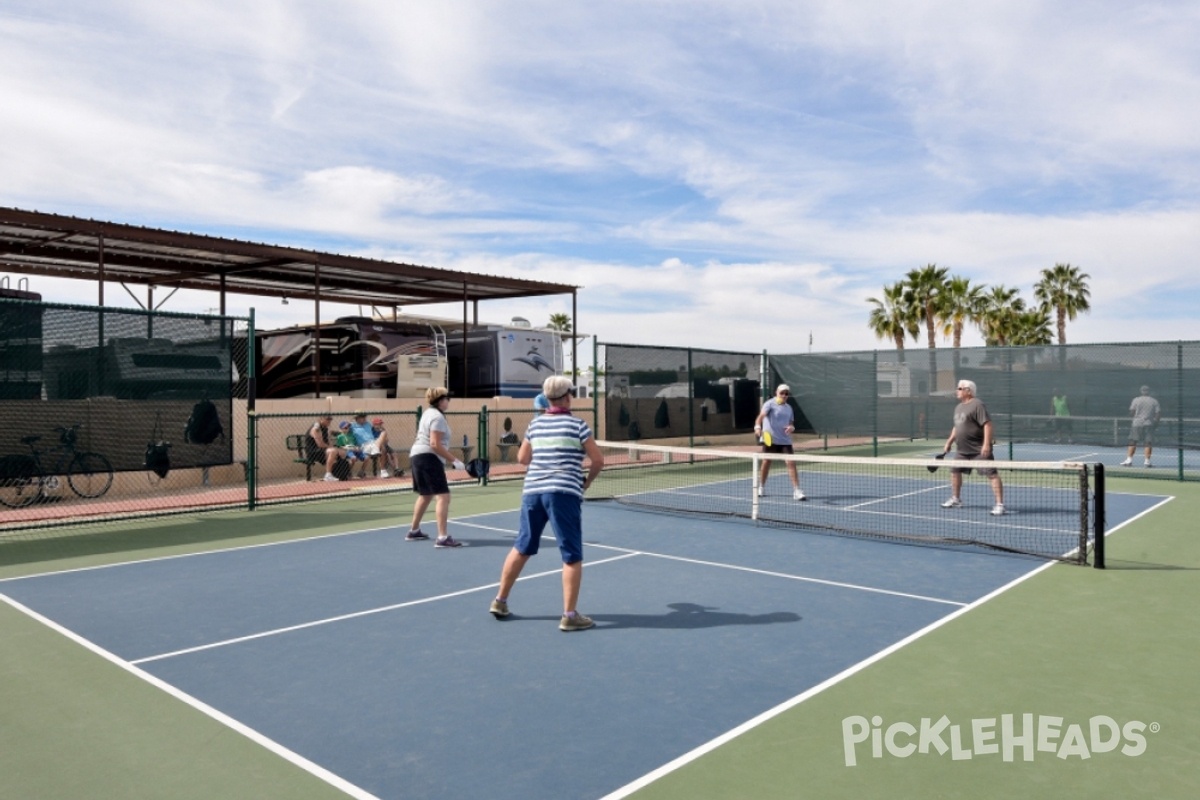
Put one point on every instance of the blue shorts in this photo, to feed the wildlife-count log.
(564, 512)
(428, 475)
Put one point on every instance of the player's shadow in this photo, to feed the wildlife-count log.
(683, 616)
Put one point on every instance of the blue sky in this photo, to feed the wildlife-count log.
(729, 175)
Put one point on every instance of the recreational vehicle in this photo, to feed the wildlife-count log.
(502, 360)
(353, 356)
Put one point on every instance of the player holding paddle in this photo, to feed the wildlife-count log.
(775, 424)
(554, 451)
(973, 432)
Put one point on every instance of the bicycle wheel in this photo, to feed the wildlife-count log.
(19, 481)
(90, 474)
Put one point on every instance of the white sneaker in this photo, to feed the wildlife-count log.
(762, 492)
(798, 495)
(1127, 462)
(953, 502)
(383, 473)
(998, 510)
(329, 476)
(1147, 464)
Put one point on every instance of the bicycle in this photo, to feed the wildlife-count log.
(24, 479)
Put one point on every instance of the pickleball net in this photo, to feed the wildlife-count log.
(1052, 509)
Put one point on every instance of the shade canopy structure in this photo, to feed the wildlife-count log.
(37, 243)
(54, 245)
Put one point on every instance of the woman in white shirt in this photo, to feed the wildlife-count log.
(428, 456)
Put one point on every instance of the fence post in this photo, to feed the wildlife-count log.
(482, 433)
(874, 384)
(1179, 405)
(690, 404)
(595, 390)
(251, 414)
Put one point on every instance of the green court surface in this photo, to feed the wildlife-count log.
(1069, 646)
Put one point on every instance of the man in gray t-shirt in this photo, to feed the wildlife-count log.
(1145, 412)
(973, 432)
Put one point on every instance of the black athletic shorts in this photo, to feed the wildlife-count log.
(986, 472)
(428, 475)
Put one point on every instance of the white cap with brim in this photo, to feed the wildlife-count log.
(557, 387)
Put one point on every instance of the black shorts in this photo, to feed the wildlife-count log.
(428, 475)
(777, 448)
(986, 472)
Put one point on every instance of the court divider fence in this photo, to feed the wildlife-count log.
(871, 397)
(101, 410)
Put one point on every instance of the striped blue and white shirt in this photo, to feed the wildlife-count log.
(557, 465)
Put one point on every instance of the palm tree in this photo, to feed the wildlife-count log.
(998, 313)
(1031, 328)
(925, 288)
(960, 305)
(892, 318)
(1064, 289)
(562, 324)
(1031, 332)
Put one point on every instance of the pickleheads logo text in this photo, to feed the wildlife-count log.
(1010, 737)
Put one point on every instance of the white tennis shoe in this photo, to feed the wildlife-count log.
(998, 510)
(953, 502)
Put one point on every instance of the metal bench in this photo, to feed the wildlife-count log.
(297, 444)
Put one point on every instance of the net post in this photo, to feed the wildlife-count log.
(1098, 521)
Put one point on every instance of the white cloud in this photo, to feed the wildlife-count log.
(673, 159)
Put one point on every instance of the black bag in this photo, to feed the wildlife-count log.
(158, 452)
(158, 458)
(341, 469)
(204, 425)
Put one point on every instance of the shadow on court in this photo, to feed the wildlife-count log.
(683, 616)
(1110, 563)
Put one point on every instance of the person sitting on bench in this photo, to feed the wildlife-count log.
(369, 442)
(320, 447)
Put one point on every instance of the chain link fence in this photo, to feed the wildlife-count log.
(885, 395)
(678, 393)
(113, 414)
(116, 412)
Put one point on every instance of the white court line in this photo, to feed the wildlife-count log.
(753, 723)
(785, 575)
(236, 548)
(938, 488)
(224, 719)
(713, 744)
(343, 617)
